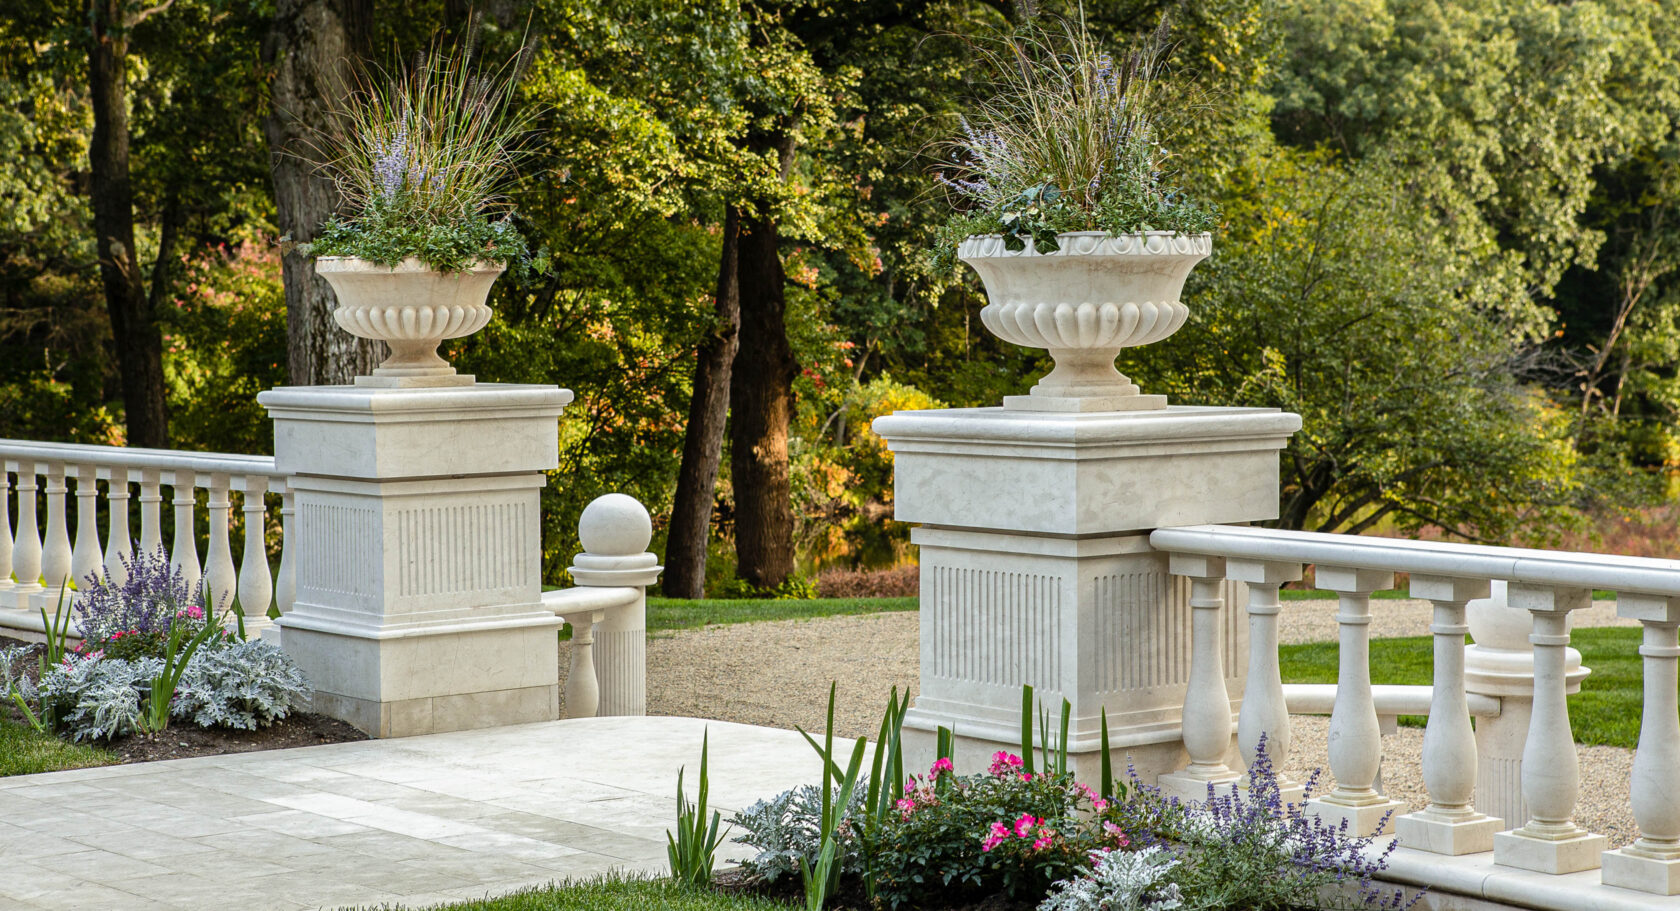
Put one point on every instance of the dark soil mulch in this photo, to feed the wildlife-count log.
(183, 740)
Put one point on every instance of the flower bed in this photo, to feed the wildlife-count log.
(152, 652)
(1025, 834)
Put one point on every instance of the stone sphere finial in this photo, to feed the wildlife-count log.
(615, 525)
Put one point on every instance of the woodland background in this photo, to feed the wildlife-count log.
(1450, 240)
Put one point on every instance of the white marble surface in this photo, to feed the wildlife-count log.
(422, 820)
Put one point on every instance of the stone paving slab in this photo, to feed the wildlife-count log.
(419, 820)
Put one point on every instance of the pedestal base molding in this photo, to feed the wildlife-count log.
(1567, 855)
(1451, 835)
(1659, 876)
(1362, 819)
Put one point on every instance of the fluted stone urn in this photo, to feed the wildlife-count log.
(1098, 294)
(412, 308)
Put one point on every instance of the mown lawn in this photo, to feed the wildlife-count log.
(676, 613)
(24, 752)
(1606, 711)
(616, 894)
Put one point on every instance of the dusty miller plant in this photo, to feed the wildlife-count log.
(94, 698)
(1120, 880)
(787, 828)
(244, 685)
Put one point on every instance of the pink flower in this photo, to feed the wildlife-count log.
(996, 836)
(906, 806)
(195, 613)
(1003, 763)
(1045, 837)
(940, 766)
(1116, 833)
(1024, 825)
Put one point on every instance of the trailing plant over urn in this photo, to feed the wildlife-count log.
(421, 158)
(1063, 208)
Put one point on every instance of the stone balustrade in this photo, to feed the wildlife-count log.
(54, 544)
(609, 603)
(1542, 837)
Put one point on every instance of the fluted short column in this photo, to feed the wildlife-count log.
(1207, 703)
(285, 586)
(26, 549)
(1450, 824)
(615, 531)
(1355, 733)
(1264, 713)
(1550, 842)
(1652, 862)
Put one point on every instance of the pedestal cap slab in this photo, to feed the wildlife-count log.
(373, 433)
(1085, 474)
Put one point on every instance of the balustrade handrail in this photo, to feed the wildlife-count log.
(1641, 575)
(166, 461)
(1532, 827)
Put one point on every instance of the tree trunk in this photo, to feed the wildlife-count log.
(139, 344)
(310, 50)
(708, 410)
(761, 402)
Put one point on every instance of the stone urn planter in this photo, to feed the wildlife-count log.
(411, 308)
(1085, 302)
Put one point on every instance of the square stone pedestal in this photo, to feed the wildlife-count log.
(1564, 855)
(1036, 568)
(1470, 833)
(1629, 870)
(419, 595)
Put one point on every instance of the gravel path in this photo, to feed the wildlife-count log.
(777, 674)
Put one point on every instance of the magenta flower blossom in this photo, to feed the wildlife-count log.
(1004, 763)
(1025, 824)
(941, 766)
(998, 834)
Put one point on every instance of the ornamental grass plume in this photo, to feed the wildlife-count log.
(421, 158)
(1068, 137)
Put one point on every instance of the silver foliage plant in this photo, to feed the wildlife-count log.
(244, 685)
(1120, 881)
(97, 699)
(787, 828)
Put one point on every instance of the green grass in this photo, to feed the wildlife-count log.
(613, 893)
(24, 752)
(1606, 711)
(666, 614)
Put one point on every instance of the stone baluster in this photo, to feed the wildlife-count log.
(1207, 705)
(1550, 842)
(1264, 713)
(6, 583)
(1450, 824)
(583, 688)
(285, 587)
(118, 549)
(220, 582)
(1355, 733)
(55, 548)
(26, 550)
(256, 584)
(151, 512)
(1652, 862)
(88, 556)
(615, 530)
(185, 555)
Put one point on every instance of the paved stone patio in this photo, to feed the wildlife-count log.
(418, 820)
